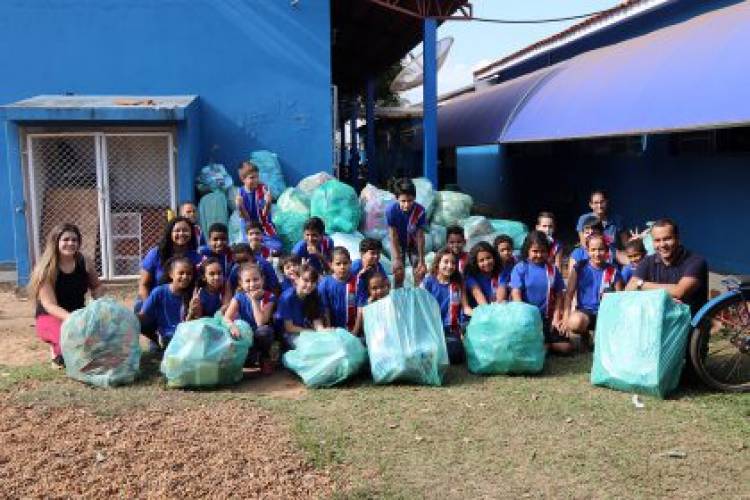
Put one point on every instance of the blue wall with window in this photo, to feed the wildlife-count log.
(260, 67)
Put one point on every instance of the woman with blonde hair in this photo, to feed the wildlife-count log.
(59, 283)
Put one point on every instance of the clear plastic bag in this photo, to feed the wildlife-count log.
(213, 177)
(324, 359)
(337, 204)
(451, 207)
(270, 171)
(374, 203)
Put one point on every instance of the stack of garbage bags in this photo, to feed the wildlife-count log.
(338, 205)
(270, 171)
(505, 339)
(374, 203)
(641, 339)
(324, 359)
(405, 339)
(100, 344)
(203, 353)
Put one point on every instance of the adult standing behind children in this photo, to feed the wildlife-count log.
(672, 268)
(612, 224)
(406, 224)
(59, 282)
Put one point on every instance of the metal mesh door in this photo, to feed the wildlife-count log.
(139, 178)
(64, 188)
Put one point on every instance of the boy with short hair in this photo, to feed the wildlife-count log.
(456, 241)
(255, 239)
(368, 264)
(289, 267)
(338, 293)
(316, 247)
(406, 225)
(218, 247)
(545, 222)
(254, 204)
(190, 211)
(635, 251)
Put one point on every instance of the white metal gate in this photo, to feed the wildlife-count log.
(115, 187)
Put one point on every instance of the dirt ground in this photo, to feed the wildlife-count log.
(19, 345)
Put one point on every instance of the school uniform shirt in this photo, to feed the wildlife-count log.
(487, 284)
(627, 273)
(270, 280)
(290, 308)
(555, 248)
(592, 283)
(165, 308)
(533, 282)
(246, 306)
(286, 284)
(152, 263)
(451, 316)
(506, 270)
(357, 269)
(325, 247)
(579, 254)
(210, 302)
(406, 223)
(462, 260)
(613, 225)
(254, 202)
(225, 259)
(339, 298)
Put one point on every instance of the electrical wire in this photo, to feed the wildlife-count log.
(534, 21)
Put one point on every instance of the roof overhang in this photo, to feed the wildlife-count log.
(100, 108)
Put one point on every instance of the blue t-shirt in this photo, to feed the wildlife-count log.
(531, 279)
(210, 302)
(333, 298)
(589, 285)
(442, 293)
(165, 308)
(627, 273)
(485, 284)
(225, 259)
(362, 278)
(152, 264)
(286, 284)
(506, 270)
(246, 306)
(398, 219)
(612, 226)
(270, 280)
(579, 254)
(325, 247)
(290, 308)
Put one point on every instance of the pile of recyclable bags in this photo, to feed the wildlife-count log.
(338, 205)
(505, 338)
(270, 171)
(425, 195)
(212, 208)
(202, 353)
(213, 177)
(405, 339)
(434, 238)
(451, 207)
(309, 184)
(289, 228)
(100, 344)
(350, 242)
(292, 200)
(324, 359)
(374, 203)
(641, 338)
(476, 225)
(516, 230)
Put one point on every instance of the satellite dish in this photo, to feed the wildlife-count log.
(413, 73)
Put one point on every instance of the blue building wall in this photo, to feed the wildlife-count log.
(482, 171)
(260, 67)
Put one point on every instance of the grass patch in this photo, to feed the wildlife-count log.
(12, 375)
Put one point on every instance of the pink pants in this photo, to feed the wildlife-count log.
(48, 329)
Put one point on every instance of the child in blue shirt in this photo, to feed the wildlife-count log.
(545, 222)
(170, 303)
(537, 282)
(588, 282)
(591, 226)
(218, 247)
(254, 204)
(242, 253)
(338, 293)
(289, 267)
(368, 264)
(256, 241)
(253, 304)
(316, 247)
(484, 283)
(446, 285)
(406, 225)
(456, 241)
(504, 246)
(300, 308)
(635, 251)
(190, 212)
(210, 289)
(378, 287)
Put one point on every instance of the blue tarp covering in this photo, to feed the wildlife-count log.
(685, 76)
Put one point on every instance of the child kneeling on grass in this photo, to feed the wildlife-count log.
(300, 308)
(537, 282)
(338, 293)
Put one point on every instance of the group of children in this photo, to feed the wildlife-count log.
(319, 287)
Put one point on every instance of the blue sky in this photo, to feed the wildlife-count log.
(476, 44)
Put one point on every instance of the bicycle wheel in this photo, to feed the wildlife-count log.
(720, 346)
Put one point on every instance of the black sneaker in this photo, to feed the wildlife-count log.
(58, 362)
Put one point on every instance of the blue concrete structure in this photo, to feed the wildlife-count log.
(261, 71)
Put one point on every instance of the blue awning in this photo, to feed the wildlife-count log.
(686, 76)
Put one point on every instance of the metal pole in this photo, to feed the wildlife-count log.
(353, 147)
(372, 171)
(429, 101)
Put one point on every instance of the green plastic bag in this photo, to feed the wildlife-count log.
(292, 200)
(505, 338)
(476, 225)
(338, 205)
(235, 228)
(405, 339)
(451, 207)
(514, 229)
(213, 177)
(324, 359)
(202, 353)
(100, 344)
(641, 339)
(212, 209)
(425, 195)
(270, 171)
(309, 184)
(289, 227)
